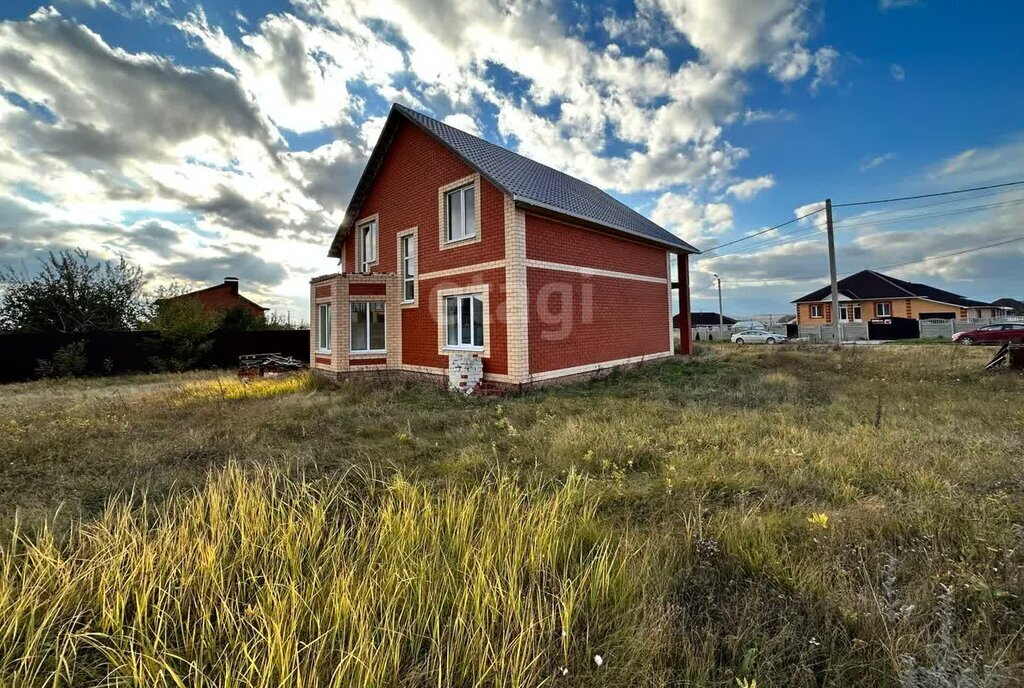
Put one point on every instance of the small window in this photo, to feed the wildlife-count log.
(883, 309)
(465, 322)
(367, 245)
(323, 327)
(409, 268)
(460, 211)
(367, 326)
(815, 311)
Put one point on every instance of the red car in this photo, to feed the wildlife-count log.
(992, 334)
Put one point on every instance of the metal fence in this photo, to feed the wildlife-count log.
(927, 329)
(715, 334)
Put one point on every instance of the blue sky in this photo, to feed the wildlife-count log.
(225, 138)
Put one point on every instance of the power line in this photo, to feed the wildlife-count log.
(883, 267)
(778, 241)
(763, 231)
(931, 195)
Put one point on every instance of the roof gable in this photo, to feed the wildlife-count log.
(528, 182)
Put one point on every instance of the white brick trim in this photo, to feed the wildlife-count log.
(671, 330)
(442, 221)
(463, 269)
(592, 367)
(597, 272)
(516, 295)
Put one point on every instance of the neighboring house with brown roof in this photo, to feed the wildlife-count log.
(222, 297)
(868, 295)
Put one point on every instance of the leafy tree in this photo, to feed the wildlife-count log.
(72, 293)
(185, 325)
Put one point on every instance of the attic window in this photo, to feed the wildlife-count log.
(460, 213)
(367, 245)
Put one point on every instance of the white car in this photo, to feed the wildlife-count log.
(757, 337)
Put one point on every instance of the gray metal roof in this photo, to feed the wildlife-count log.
(528, 182)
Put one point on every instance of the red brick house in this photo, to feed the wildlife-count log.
(222, 297)
(452, 245)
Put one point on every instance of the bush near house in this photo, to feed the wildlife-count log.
(794, 517)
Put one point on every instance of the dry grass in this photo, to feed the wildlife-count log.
(789, 515)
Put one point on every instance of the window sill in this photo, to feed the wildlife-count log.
(323, 351)
(458, 242)
(368, 352)
(463, 349)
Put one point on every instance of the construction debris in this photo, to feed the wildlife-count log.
(268, 365)
(1010, 354)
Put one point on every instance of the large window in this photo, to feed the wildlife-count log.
(409, 268)
(460, 211)
(367, 245)
(465, 321)
(323, 327)
(883, 309)
(367, 326)
(850, 313)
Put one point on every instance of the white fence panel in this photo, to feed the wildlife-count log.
(937, 329)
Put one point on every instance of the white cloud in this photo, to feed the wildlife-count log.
(466, 123)
(689, 220)
(886, 5)
(748, 188)
(876, 161)
(898, 72)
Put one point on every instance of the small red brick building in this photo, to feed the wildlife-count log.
(222, 297)
(453, 245)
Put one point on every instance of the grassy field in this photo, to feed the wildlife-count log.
(791, 516)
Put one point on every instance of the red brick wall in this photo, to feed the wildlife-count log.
(367, 289)
(577, 319)
(558, 242)
(420, 325)
(404, 195)
(581, 319)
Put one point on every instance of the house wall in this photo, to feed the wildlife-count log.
(223, 297)
(900, 308)
(594, 307)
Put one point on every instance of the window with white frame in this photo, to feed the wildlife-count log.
(408, 244)
(460, 213)
(367, 245)
(464, 321)
(323, 327)
(883, 309)
(367, 327)
(816, 310)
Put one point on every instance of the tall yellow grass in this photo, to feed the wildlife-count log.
(262, 580)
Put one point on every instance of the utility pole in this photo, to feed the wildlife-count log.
(832, 270)
(721, 316)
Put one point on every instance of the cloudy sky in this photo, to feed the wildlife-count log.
(202, 140)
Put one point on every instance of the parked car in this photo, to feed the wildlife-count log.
(991, 334)
(748, 325)
(757, 337)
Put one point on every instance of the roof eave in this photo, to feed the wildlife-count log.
(529, 202)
